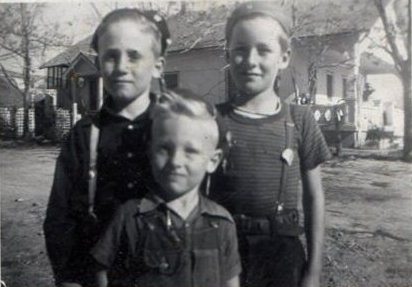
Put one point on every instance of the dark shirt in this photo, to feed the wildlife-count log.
(123, 172)
(162, 249)
(249, 181)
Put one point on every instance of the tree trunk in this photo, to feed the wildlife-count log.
(26, 101)
(313, 78)
(26, 71)
(407, 104)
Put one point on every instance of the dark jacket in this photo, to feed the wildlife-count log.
(123, 173)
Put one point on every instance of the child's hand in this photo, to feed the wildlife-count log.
(310, 280)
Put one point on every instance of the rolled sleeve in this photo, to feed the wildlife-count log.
(313, 149)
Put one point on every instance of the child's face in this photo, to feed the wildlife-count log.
(127, 60)
(182, 151)
(255, 54)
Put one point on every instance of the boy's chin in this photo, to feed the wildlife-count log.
(169, 194)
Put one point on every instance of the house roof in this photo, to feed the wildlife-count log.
(81, 57)
(10, 96)
(372, 64)
(68, 56)
(204, 29)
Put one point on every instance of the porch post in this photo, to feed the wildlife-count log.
(354, 96)
(99, 92)
(73, 79)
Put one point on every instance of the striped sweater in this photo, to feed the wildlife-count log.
(249, 182)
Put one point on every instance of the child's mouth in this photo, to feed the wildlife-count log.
(250, 75)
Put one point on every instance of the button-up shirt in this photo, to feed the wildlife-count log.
(162, 249)
(123, 172)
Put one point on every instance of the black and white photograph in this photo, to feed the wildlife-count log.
(222, 143)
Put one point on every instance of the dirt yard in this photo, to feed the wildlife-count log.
(368, 215)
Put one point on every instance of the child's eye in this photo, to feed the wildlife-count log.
(110, 56)
(264, 50)
(134, 55)
(191, 150)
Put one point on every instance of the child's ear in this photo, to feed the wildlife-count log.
(158, 67)
(284, 62)
(214, 160)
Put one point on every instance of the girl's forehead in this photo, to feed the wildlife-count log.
(125, 24)
(260, 27)
(260, 22)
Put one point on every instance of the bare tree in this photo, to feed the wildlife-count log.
(398, 33)
(24, 37)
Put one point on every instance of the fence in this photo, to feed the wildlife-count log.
(12, 123)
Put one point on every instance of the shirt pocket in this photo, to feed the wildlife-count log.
(206, 268)
(162, 258)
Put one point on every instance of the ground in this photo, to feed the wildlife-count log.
(368, 219)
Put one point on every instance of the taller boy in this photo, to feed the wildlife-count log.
(274, 145)
(130, 45)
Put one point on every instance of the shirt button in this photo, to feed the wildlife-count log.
(130, 155)
(130, 185)
(130, 127)
(187, 225)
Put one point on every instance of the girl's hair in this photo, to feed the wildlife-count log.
(184, 102)
(150, 21)
(258, 9)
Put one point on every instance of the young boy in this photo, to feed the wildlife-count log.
(174, 236)
(274, 146)
(130, 46)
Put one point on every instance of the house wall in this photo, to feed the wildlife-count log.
(338, 74)
(201, 71)
(9, 96)
(64, 100)
(387, 94)
(85, 90)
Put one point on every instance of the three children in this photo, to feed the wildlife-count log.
(171, 235)
(174, 236)
(275, 145)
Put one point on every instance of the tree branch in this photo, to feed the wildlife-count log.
(397, 58)
(11, 50)
(8, 78)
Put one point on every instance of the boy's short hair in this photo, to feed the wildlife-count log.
(251, 10)
(152, 23)
(186, 103)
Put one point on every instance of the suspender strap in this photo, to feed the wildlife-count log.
(94, 139)
(287, 157)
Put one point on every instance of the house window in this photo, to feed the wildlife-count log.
(49, 78)
(344, 88)
(329, 85)
(172, 80)
(385, 118)
(54, 77)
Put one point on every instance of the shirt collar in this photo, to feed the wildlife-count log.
(206, 207)
(107, 114)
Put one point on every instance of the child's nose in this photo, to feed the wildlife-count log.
(176, 158)
(122, 64)
(252, 57)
